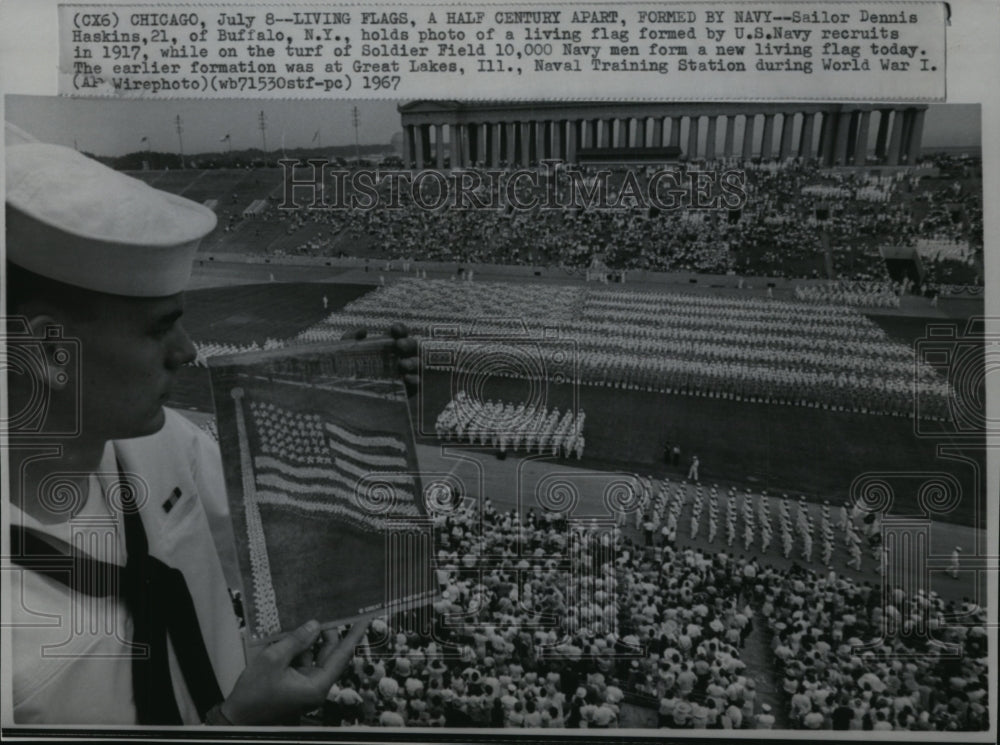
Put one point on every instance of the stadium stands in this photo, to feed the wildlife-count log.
(773, 234)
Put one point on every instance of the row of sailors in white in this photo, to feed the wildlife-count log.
(762, 330)
(806, 352)
(724, 304)
(443, 299)
(597, 312)
(732, 346)
(504, 425)
(643, 487)
(833, 390)
(764, 518)
(881, 298)
(855, 543)
(706, 322)
(597, 361)
(663, 510)
(713, 515)
(205, 350)
(828, 541)
(741, 336)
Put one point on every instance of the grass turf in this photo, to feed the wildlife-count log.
(790, 449)
(780, 448)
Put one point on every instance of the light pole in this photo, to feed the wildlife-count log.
(180, 138)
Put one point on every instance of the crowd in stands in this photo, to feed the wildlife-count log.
(743, 349)
(774, 234)
(932, 675)
(504, 425)
(549, 621)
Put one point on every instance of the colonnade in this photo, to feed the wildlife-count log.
(491, 135)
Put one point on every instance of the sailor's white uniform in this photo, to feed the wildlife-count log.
(83, 675)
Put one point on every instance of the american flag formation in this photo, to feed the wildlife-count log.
(318, 476)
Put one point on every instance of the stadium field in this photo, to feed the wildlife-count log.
(792, 449)
(248, 313)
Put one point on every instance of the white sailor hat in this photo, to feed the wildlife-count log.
(74, 220)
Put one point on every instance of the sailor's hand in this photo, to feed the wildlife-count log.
(405, 348)
(291, 676)
(408, 351)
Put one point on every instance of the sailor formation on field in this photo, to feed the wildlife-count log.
(764, 519)
(826, 528)
(657, 506)
(748, 521)
(504, 425)
(804, 533)
(787, 539)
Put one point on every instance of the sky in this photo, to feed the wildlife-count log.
(115, 127)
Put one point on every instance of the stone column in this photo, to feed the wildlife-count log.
(422, 144)
(861, 142)
(852, 137)
(896, 138)
(510, 146)
(557, 139)
(541, 142)
(571, 138)
(468, 143)
(657, 131)
(482, 136)
(828, 136)
(824, 125)
(497, 132)
(640, 132)
(904, 147)
(806, 140)
(727, 144)
(439, 146)
(882, 135)
(455, 136)
(748, 136)
(407, 145)
(768, 138)
(675, 131)
(606, 127)
(916, 137)
(526, 144)
(787, 129)
(843, 132)
(692, 148)
(710, 137)
(621, 138)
